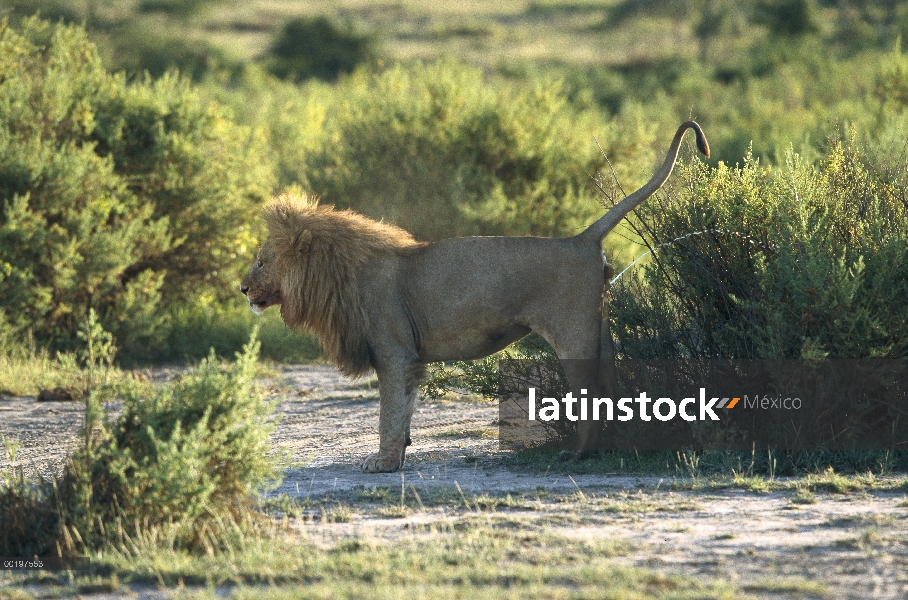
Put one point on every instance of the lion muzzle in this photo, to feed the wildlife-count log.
(257, 306)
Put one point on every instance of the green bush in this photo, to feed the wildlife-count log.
(126, 198)
(441, 151)
(438, 151)
(53, 10)
(810, 262)
(787, 17)
(317, 47)
(193, 453)
(148, 47)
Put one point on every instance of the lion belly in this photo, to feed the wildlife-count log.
(469, 344)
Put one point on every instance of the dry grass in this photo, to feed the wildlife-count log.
(25, 374)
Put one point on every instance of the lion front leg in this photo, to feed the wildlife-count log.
(397, 393)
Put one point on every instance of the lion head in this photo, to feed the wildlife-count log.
(262, 285)
(309, 265)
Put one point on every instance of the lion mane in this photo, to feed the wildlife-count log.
(320, 252)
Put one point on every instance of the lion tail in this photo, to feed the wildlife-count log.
(607, 222)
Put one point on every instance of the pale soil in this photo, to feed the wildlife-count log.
(853, 545)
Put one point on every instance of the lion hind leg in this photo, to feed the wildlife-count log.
(583, 379)
(577, 344)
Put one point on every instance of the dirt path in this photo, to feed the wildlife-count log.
(841, 546)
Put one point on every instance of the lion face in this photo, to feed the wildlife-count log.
(262, 284)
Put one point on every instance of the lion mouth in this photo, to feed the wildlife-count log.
(258, 306)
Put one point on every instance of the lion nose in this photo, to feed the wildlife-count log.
(244, 289)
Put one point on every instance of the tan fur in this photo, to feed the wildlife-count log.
(379, 299)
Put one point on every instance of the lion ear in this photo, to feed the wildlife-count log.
(301, 244)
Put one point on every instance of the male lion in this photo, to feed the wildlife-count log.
(379, 299)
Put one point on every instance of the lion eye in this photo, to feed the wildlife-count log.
(259, 264)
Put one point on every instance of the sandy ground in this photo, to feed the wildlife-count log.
(855, 545)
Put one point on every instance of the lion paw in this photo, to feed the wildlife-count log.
(376, 463)
(568, 456)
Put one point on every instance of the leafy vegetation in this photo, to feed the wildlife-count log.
(434, 150)
(120, 197)
(811, 262)
(136, 195)
(316, 47)
(180, 458)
